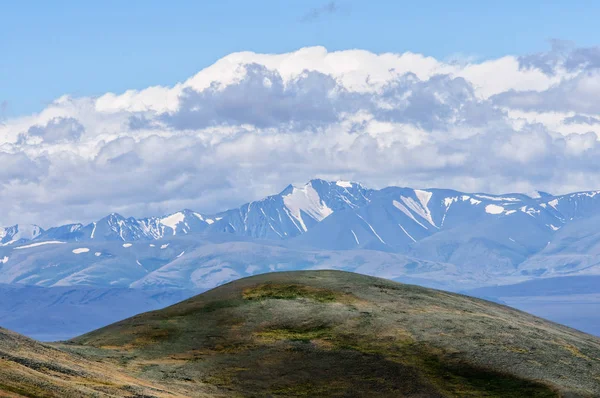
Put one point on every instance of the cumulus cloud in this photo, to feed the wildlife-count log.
(250, 124)
(440, 102)
(581, 119)
(577, 94)
(18, 168)
(563, 55)
(56, 130)
(262, 99)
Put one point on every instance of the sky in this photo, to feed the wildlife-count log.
(146, 108)
(48, 49)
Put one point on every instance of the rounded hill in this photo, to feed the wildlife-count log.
(332, 333)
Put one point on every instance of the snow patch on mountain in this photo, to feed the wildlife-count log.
(199, 216)
(307, 200)
(420, 207)
(49, 242)
(355, 238)
(372, 230)
(404, 210)
(494, 209)
(497, 198)
(173, 220)
(424, 198)
(343, 184)
(407, 234)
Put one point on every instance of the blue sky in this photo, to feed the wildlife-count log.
(91, 47)
(476, 96)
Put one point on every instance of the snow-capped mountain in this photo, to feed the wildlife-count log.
(285, 215)
(293, 211)
(341, 215)
(443, 236)
(397, 218)
(115, 227)
(433, 237)
(19, 233)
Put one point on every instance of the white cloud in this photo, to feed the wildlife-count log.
(251, 123)
(355, 70)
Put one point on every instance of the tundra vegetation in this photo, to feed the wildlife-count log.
(312, 333)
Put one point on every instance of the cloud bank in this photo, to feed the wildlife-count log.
(252, 123)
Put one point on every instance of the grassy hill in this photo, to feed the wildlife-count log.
(32, 369)
(326, 333)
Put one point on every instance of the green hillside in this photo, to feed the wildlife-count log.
(331, 333)
(312, 334)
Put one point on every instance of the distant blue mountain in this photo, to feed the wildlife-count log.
(570, 300)
(562, 286)
(60, 313)
(458, 239)
(543, 249)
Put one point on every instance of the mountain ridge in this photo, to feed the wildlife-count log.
(463, 240)
(305, 206)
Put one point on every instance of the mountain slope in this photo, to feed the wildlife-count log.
(19, 233)
(192, 262)
(481, 238)
(329, 333)
(400, 218)
(574, 249)
(293, 211)
(32, 369)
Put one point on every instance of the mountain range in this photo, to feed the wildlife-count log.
(434, 237)
(474, 238)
